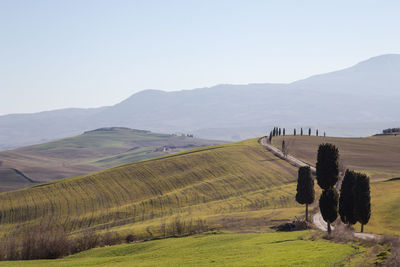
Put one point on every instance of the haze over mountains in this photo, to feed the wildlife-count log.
(356, 101)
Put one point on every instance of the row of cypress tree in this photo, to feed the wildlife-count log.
(276, 131)
(354, 204)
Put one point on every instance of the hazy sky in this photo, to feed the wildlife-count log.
(56, 54)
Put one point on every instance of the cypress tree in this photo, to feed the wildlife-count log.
(347, 198)
(316, 133)
(305, 188)
(309, 132)
(294, 131)
(279, 131)
(327, 165)
(301, 131)
(327, 176)
(270, 137)
(362, 199)
(328, 205)
(284, 132)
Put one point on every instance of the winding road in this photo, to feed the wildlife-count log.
(317, 219)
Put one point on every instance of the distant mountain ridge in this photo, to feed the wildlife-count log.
(355, 101)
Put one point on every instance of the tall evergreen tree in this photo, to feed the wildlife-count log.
(347, 198)
(362, 199)
(328, 203)
(305, 188)
(279, 131)
(316, 133)
(301, 131)
(294, 131)
(284, 132)
(309, 132)
(327, 176)
(327, 165)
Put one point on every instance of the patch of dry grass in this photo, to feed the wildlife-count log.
(378, 156)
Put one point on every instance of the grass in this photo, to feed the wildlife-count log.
(240, 180)
(385, 219)
(90, 152)
(268, 249)
(378, 156)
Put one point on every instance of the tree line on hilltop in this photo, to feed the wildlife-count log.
(278, 131)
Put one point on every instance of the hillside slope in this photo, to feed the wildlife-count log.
(236, 112)
(12, 179)
(89, 152)
(241, 181)
(378, 156)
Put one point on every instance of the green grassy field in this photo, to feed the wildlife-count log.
(231, 186)
(268, 249)
(92, 151)
(385, 217)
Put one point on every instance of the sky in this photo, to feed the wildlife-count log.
(91, 53)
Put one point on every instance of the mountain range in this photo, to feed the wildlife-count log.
(356, 101)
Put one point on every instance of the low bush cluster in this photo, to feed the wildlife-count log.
(179, 227)
(296, 225)
(54, 242)
(51, 243)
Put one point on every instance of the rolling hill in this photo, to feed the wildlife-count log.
(345, 101)
(378, 156)
(13, 179)
(230, 186)
(239, 187)
(89, 152)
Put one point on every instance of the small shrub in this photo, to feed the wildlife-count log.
(130, 238)
(44, 243)
(392, 258)
(111, 238)
(296, 225)
(341, 234)
(89, 239)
